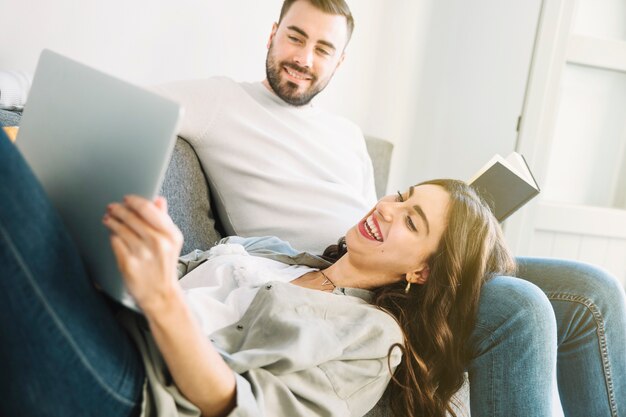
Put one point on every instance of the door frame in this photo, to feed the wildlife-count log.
(540, 109)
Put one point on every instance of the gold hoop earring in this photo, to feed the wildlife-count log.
(408, 287)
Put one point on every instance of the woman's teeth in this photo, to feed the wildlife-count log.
(371, 228)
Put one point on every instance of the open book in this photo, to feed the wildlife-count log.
(506, 184)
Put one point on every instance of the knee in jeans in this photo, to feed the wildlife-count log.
(519, 306)
(582, 280)
(595, 286)
(603, 286)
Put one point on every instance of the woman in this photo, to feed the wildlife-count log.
(420, 258)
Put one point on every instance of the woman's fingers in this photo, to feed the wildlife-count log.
(154, 214)
(146, 243)
(127, 217)
(147, 221)
(161, 203)
(121, 251)
(125, 234)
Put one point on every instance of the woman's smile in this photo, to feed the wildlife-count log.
(370, 228)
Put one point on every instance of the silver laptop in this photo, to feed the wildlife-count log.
(91, 139)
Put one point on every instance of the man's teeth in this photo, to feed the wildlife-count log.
(296, 74)
(370, 226)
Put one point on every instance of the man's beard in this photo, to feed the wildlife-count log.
(287, 90)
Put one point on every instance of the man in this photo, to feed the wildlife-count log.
(278, 165)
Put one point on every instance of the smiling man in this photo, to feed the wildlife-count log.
(301, 61)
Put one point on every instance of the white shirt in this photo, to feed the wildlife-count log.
(298, 173)
(221, 289)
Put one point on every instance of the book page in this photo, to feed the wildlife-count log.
(514, 163)
(518, 165)
(505, 184)
(492, 161)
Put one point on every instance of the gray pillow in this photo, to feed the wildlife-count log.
(189, 202)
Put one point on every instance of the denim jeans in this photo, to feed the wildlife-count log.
(62, 351)
(559, 316)
(64, 354)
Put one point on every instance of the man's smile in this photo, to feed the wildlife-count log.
(297, 75)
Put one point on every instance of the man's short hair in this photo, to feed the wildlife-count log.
(336, 7)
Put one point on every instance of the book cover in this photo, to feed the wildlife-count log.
(505, 184)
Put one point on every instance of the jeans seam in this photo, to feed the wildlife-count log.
(492, 339)
(597, 316)
(56, 319)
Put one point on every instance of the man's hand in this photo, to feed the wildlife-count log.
(146, 243)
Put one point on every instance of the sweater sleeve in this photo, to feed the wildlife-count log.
(201, 100)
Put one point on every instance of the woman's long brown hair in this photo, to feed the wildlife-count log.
(438, 317)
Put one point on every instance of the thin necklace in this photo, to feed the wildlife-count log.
(327, 280)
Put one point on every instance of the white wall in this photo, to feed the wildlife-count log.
(398, 81)
(144, 41)
(472, 84)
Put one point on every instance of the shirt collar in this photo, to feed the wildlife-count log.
(364, 295)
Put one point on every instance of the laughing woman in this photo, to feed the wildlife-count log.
(253, 328)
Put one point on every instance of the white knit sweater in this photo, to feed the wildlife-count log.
(298, 173)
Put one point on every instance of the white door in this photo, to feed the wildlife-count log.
(471, 85)
(573, 132)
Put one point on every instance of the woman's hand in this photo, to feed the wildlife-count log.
(146, 243)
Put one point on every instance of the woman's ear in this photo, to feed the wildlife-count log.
(419, 276)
